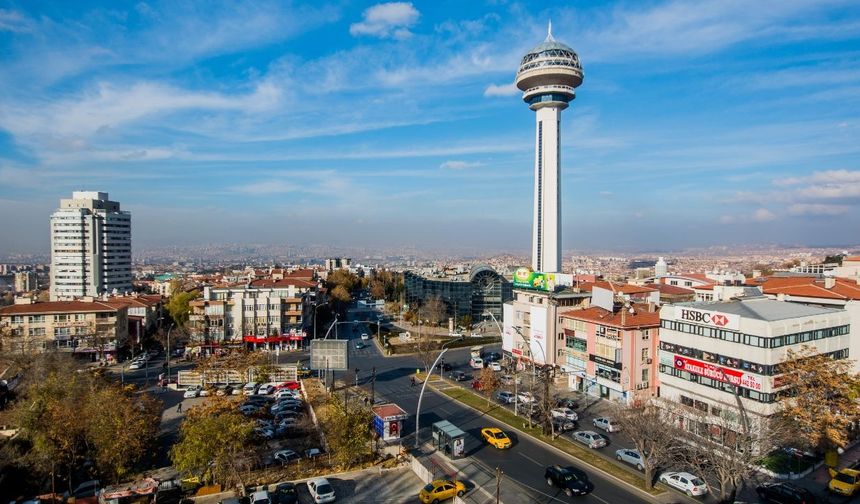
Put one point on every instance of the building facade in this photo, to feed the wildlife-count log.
(89, 329)
(90, 247)
(25, 281)
(482, 291)
(612, 353)
(267, 313)
(714, 354)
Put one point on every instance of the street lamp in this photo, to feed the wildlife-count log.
(168, 351)
(424, 386)
(315, 319)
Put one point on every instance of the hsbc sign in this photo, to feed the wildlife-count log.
(711, 318)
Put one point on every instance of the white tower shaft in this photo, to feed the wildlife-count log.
(546, 229)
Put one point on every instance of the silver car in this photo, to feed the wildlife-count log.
(590, 439)
(631, 457)
(505, 397)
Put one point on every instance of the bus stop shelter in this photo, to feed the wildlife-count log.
(449, 439)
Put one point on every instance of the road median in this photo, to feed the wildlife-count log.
(585, 455)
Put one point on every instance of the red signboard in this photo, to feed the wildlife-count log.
(516, 351)
(715, 372)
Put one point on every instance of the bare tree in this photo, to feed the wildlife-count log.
(435, 310)
(653, 434)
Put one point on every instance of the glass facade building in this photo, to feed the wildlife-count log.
(483, 291)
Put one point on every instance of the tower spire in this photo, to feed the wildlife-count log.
(549, 31)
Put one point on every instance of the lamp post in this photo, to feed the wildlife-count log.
(315, 319)
(168, 351)
(424, 386)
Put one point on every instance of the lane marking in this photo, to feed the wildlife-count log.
(529, 458)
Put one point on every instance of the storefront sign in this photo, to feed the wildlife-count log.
(733, 376)
(711, 318)
(604, 361)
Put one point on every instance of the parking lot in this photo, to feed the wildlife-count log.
(394, 486)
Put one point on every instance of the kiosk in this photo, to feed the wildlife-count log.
(388, 421)
(449, 439)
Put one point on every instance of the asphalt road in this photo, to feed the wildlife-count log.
(524, 463)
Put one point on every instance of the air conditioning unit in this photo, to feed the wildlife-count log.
(648, 360)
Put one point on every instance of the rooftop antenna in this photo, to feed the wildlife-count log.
(549, 30)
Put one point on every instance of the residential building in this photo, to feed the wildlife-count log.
(850, 268)
(89, 329)
(268, 313)
(336, 263)
(90, 247)
(611, 352)
(25, 281)
(715, 354)
(481, 291)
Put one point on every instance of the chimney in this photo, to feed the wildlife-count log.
(829, 282)
(623, 315)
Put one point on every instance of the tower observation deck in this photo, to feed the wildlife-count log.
(548, 77)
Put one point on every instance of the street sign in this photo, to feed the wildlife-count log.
(329, 354)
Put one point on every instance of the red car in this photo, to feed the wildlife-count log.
(476, 384)
(289, 385)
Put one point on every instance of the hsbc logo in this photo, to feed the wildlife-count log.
(708, 318)
(679, 363)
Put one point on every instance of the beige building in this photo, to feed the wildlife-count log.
(90, 329)
(270, 313)
(25, 281)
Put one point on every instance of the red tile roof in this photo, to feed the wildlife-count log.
(673, 290)
(703, 287)
(810, 287)
(286, 282)
(852, 258)
(616, 287)
(57, 307)
(640, 317)
(306, 274)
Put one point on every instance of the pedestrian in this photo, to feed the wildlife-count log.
(366, 400)
(412, 381)
(179, 408)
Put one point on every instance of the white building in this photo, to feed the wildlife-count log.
(711, 351)
(548, 76)
(90, 247)
(25, 281)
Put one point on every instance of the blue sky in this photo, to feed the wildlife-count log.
(393, 124)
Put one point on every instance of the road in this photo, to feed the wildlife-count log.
(524, 463)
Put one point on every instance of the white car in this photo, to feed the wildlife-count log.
(566, 413)
(606, 423)
(286, 456)
(249, 388)
(631, 457)
(321, 490)
(135, 365)
(509, 380)
(495, 366)
(266, 389)
(192, 392)
(261, 497)
(590, 439)
(525, 397)
(685, 482)
(505, 397)
(477, 363)
(287, 394)
(364, 336)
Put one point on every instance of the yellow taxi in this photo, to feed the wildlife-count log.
(496, 437)
(439, 490)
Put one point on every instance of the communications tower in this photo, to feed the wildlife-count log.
(548, 77)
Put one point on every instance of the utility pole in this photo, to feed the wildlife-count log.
(373, 386)
(499, 473)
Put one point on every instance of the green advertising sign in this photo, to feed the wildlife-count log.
(526, 278)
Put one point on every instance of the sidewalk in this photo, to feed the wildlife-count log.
(480, 480)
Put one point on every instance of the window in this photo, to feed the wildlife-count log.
(36, 319)
(686, 401)
(646, 373)
(645, 352)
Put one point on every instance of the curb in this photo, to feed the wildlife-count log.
(638, 490)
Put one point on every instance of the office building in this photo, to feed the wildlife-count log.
(548, 76)
(25, 281)
(90, 247)
(482, 290)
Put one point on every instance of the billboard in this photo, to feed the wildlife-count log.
(710, 318)
(329, 354)
(508, 330)
(714, 372)
(526, 278)
(537, 342)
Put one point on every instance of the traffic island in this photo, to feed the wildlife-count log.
(520, 424)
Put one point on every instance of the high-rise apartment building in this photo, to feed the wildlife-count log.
(90, 247)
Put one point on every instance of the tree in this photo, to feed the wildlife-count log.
(377, 289)
(341, 295)
(490, 383)
(348, 431)
(819, 398)
(426, 351)
(435, 311)
(343, 278)
(652, 433)
(215, 441)
(467, 322)
(178, 306)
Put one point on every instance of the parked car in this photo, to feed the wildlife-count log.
(287, 394)
(224, 390)
(495, 366)
(248, 409)
(496, 437)
(631, 457)
(505, 397)
(785, 493)
(477, 363)
(285, 493)
(570, 480)
(261, 497)
(264, 432)
(266, 389)
(364, 336)
(459, 376)
(525, 397)
(250, 389)
(590, 439)
(321, 490)
(439, 490)
(566, 413)
(493, 357)
(135, 365)
(686, 482)
(359, 345)
(312, 453)
(606, 423)
(191, 392)
(288, 385)
(566, 402)
(508, 380)
(286, 456)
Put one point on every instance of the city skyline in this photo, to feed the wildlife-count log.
(399, 125)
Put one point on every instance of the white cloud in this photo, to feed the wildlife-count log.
(12, 21)
(269, 187)
(460, 165)
(387, 20)
(727, 219)
(607, 194)
(501, 90)
(817, 209)
(827, 177)
(763, 215)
